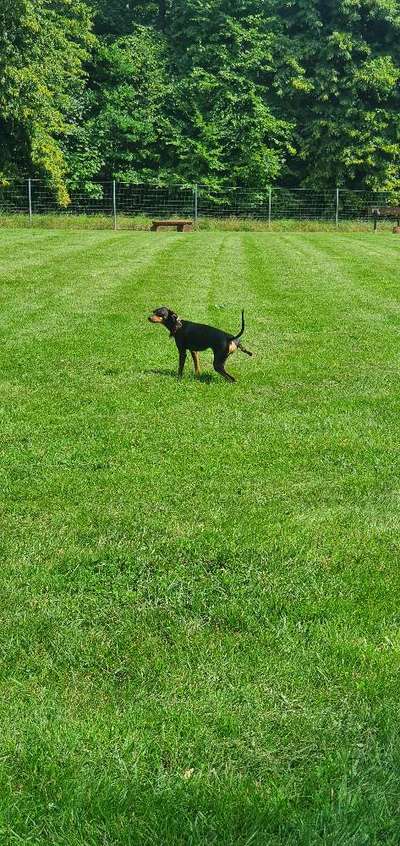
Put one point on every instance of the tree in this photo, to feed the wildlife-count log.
(345, 102)
(185, 98)
(223, 54)
(123, 123)
(219, 91)
(43, 44)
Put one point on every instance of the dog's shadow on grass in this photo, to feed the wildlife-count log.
(207, 378)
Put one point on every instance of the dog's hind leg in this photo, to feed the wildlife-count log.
(240, 347)
(218, 365)
(196, 362)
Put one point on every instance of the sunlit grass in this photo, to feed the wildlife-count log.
(200, 581)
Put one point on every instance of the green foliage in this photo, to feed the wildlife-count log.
(233, 139)
(43, 45)
(214, 91)
(123, 120)
(160, 108)
(234, 135)
(347, 116)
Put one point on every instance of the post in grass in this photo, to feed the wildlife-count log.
(30, 200)
(269, 206)
(114, 196)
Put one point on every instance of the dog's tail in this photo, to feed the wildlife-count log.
(242, 329)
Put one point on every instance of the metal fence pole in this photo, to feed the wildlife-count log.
(114, 205)
(269, 206)
(195, 203)
(337, 206)
(30, 200)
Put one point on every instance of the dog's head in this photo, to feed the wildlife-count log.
(167, 317)
(160, 315)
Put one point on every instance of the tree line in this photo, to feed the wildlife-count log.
(221, 92)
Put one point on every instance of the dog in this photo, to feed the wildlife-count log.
(197, 337)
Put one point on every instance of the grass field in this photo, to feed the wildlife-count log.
(200, 605)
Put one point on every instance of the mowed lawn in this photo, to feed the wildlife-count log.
(200, 604)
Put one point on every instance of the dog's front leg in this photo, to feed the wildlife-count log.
(182, 359)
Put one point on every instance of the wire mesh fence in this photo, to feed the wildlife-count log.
(44, 201)
(112, 204)
(153, 201)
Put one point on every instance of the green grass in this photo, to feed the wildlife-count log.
(200, 605)
(224, 224)
(250, 224)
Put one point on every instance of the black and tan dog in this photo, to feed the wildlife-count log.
(197, 337)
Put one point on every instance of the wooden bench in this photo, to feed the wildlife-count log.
(387, 211)
(180, 225)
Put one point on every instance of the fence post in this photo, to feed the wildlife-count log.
(30, 200)
(269, 206)
(337, 206)
(195, 203)
(114, 205)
